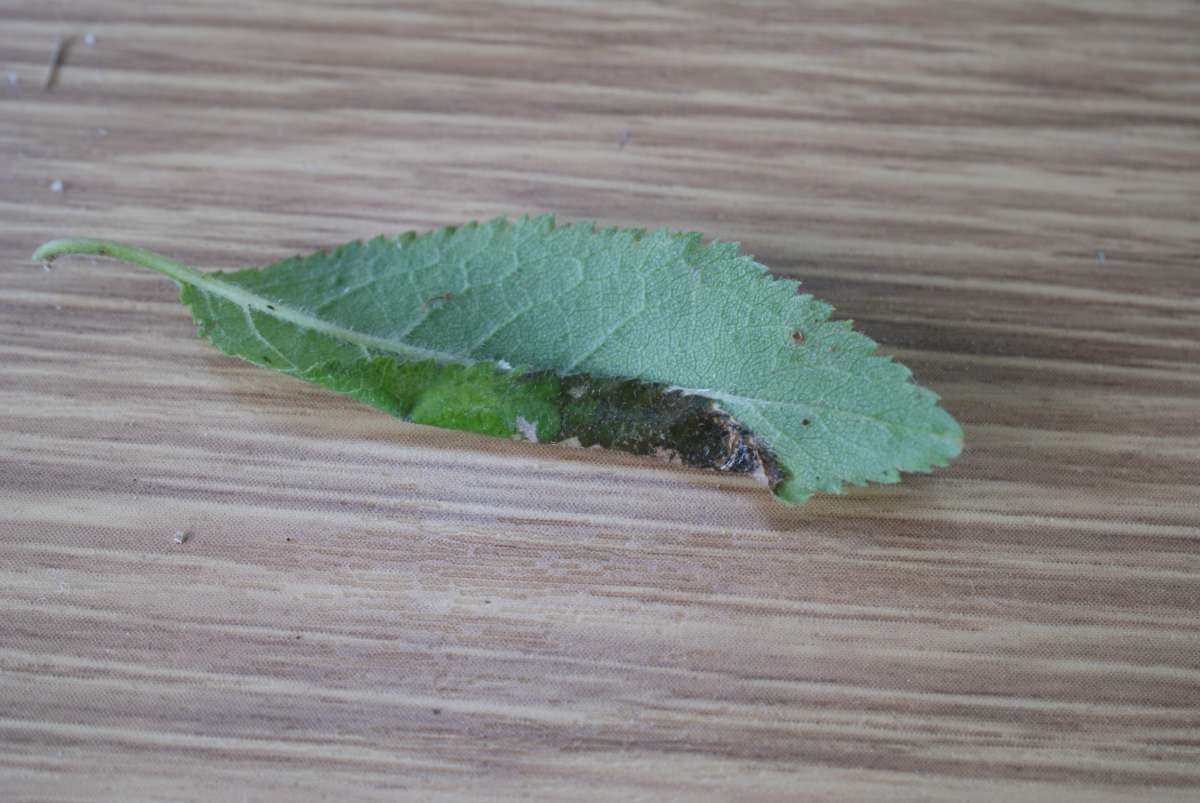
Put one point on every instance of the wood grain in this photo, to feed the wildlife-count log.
(1005, 194)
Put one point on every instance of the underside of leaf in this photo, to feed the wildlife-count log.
(650, 342)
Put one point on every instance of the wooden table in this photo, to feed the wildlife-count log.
(1006, 195)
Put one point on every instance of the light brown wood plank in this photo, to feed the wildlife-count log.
(1005, 194)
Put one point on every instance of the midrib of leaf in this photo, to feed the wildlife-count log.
(246, 300)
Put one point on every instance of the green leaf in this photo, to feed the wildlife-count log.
(648, 341)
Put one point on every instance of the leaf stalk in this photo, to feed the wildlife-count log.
(127, 253)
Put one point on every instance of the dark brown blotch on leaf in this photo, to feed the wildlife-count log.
(648, 417)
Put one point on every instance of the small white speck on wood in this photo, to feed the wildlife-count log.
(89, 39)
(181, 536)
(57, 185)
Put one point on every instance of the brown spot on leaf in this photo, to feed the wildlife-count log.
(797, 337)
(443, 297)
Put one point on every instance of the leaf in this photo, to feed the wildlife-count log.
(648, 341)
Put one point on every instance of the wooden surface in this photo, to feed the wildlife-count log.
(1006, 195)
